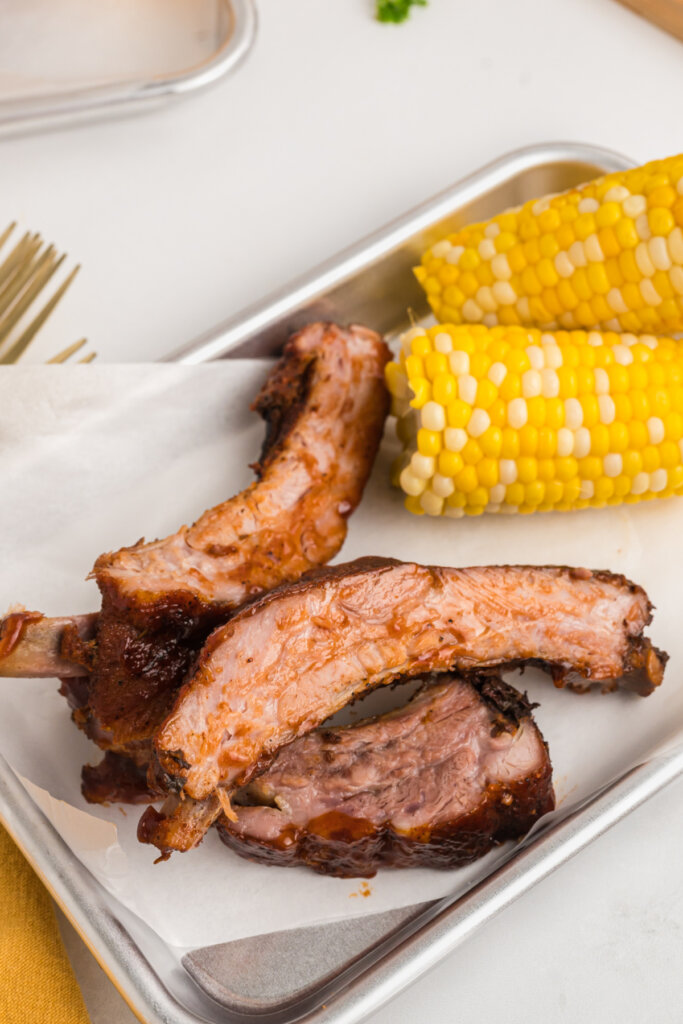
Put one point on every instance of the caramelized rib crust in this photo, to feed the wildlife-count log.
(298, 654)
(324, 405)
(438, 783)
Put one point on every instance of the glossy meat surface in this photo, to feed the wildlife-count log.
(324, 404)
(294, 657)
(436, 783)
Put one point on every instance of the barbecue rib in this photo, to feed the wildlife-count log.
(324, 404)
(437, 783)
(296, 655)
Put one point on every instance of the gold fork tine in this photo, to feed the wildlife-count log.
(67, 353)
(13, 316)
(25, 339)
(8, 266)
(7, 232)
(24, 272)
(89, 358)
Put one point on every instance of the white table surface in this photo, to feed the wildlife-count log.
(333, 126)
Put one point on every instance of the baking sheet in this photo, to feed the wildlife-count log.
(93, 457)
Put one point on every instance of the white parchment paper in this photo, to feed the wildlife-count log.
(94, 457)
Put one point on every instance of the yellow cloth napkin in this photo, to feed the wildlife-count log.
(37, 984)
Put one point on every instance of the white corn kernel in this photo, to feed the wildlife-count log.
(442, 486)
(517, 413)
(629, 339)
(607, 409)
(493, 507)
(443, 343)
(489, 319)
(675, 246)
(616, 301)
(655, 430)
(649, 340)
(582, 443)
(455, 438)
(492, 230)
(453, 513)
(504, 293)
(550, 383)
(467, 388)
(643, 261)
(497, 373)
(441, 250)
(588, 205)
(486, 300)
(431, 503)
(634, 206)
(612, 325)
(659, 253)
(454, 255)
(612, 464)
(472, 311)
(422, 466)
(500, 267)
(643, 227)
(507, 471)
(497, 494)
(536, 357)
(523, 308)
(601, 381)
(459, 362)
(577, 254)
(553, 357)
(564, 266)
(573, 413)
(676, 279)
(433, 416)
(410, 483)
(640, 483)
(650, 294)
(658, 480)
(593, 249)
(594, 339)
(617, 194)
(587, 490)
(487, 249)
(479, 422)
(622, 355)
(565, 442)
(532, 384)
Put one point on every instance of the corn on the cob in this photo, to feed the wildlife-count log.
(513, 419)
(608, 254)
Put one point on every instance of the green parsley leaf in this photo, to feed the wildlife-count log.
(396, 10)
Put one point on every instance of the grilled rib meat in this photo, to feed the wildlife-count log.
(345, 629)
(437, 783)
(324, 405)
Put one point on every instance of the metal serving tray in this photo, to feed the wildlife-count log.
(230, 36)
(338, 973)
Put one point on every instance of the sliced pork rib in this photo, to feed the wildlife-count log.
(301, 652)
(437, 783)
(324, 405)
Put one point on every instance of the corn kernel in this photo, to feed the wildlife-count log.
(450, 463)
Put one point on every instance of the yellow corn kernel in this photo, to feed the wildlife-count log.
(428, 442)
